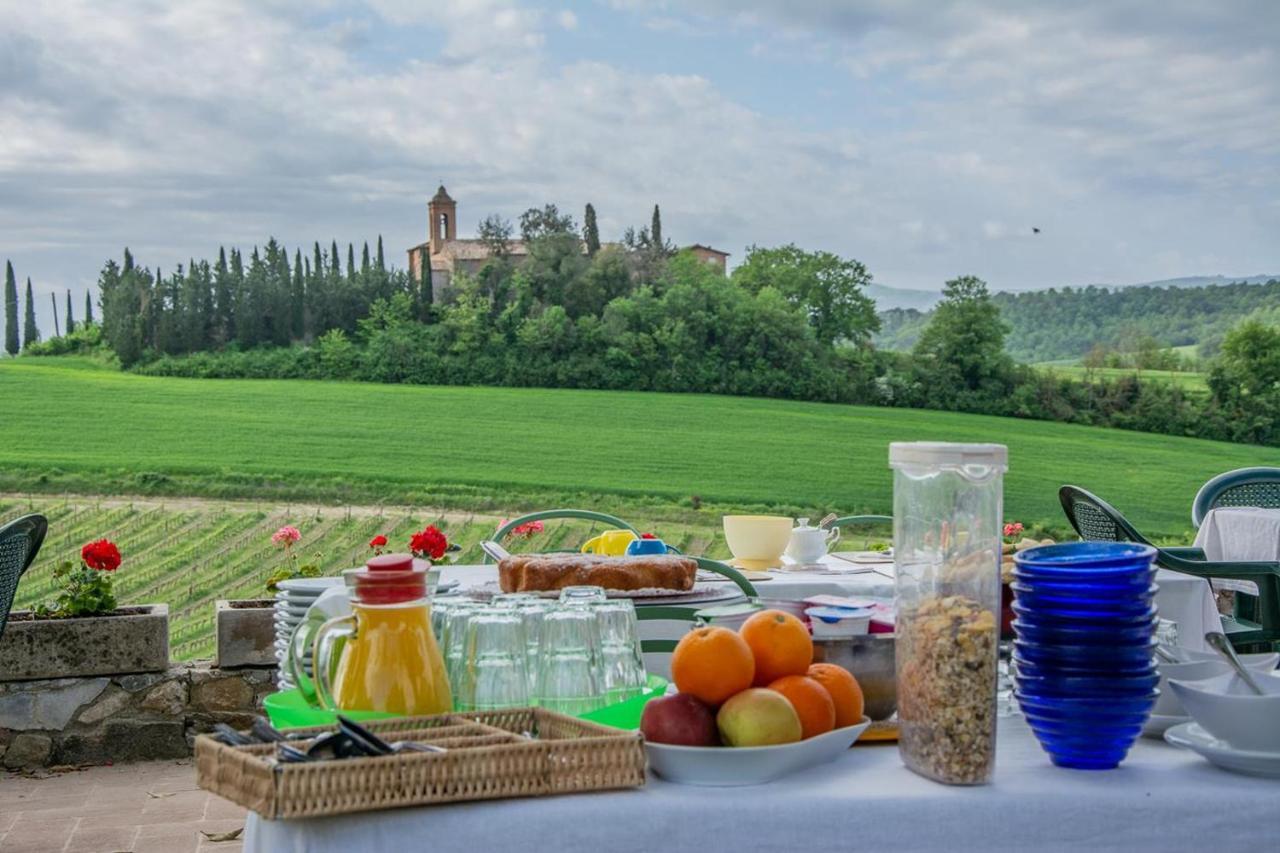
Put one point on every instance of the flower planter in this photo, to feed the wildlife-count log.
(246, 632)
(133, 639)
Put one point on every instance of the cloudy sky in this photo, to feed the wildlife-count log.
(923, 137)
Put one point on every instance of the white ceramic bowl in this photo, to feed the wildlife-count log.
(1226, 708)
(725, 766)
(1201, 666)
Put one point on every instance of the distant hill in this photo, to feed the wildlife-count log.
(1047, 325)
(902, 297)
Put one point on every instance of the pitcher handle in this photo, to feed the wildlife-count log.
(833, 537)
(589, 547)
(326, 635)
(295, 667)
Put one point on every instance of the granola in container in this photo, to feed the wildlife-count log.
(946, 689)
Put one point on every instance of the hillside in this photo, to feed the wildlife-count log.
(70, 428)
(1047, 325)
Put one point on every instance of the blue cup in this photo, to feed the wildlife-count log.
(646, 547)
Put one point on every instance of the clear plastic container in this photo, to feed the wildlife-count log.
(947, 511)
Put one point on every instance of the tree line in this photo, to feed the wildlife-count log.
(576, 312)
(30, 337)
(1066, 323)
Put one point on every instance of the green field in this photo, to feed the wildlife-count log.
(1186, 380)
(69, 427)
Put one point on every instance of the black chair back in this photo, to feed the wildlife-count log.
(20, 541)
(1094, 519)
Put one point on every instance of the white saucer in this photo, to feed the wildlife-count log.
(1157, 724)
(1222, 754)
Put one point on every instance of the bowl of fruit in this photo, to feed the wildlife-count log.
(751, 706)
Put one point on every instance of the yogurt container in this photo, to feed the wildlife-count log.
(831, 623)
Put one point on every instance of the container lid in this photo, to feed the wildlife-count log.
(728, 611)
(837, 614)
(389, 579)
(945, 454)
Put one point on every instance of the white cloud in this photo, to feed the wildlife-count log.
(567, 19)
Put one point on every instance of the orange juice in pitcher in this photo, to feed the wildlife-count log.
(390, 661)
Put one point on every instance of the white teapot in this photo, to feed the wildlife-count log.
(810, 544)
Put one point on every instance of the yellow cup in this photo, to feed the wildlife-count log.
(612, 543)
(757, 541)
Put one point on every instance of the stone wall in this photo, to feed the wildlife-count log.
(124, 717)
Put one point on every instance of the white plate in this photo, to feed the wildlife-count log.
(750, 765)
(1222, 754)
(313, 585)
(700, 594)
(1157, 724)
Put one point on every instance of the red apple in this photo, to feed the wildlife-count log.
(679, 719)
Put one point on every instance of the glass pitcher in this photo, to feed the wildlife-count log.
(389, 660)
(947, 509)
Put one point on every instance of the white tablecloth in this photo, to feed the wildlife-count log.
(1240, 534)
(1161, 799)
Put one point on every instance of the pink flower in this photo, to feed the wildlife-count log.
(527, 529)
(1013, 528)
(286, 536)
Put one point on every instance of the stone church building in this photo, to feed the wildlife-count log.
(448, 254)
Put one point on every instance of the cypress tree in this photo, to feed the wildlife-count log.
(335, 260)
(297, 297)
(71, 320)
(425, 295)
(30, 334)
(351, 262)
(590, 231)
(655, 229)
(10, 310)
(365, 264)
(382, 263)
(88, 305)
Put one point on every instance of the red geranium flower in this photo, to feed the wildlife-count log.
(378, 541)
(102, 555)
(527, 529)
(429, 544)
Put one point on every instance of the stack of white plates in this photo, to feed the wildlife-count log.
(292, 601)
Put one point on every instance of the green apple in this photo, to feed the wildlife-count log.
(758, 717)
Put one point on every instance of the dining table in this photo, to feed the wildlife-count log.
(1161, 799)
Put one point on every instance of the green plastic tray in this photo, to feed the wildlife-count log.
(288, 709)
(626, 715)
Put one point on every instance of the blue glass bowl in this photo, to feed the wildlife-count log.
(1109, 636)
(1083, 618)
(1033, 593)
(1046, 684)
(1086, 562)
(1134, 582)
(1086, 610)
(1087, 734)
(1087, 659)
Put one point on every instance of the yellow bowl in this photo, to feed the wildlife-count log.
(757, 541)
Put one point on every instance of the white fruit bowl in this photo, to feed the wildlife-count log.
(724, 766)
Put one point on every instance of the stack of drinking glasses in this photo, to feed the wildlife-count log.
(1085, 623)
(572, 655)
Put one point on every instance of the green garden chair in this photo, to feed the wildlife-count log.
(1242, 487)
(1255, 624)
(20, 541)
(861, 521)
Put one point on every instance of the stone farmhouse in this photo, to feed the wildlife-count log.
(448, 254)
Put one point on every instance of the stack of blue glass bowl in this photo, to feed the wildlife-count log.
(1085, 623)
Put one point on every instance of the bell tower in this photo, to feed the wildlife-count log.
(443, 214)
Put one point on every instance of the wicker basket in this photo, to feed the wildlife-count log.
(523, 752)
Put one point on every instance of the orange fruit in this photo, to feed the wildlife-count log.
(812, 702)
(844, 689)
(712, 664)
(780, 643)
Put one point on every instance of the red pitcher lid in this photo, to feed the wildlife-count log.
(390, 579)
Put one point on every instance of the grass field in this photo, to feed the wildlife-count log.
(1186, 380)
(69, 427)
(189, 553)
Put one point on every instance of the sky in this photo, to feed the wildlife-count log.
(926, 138)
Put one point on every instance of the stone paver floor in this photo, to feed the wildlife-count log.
(140, 808)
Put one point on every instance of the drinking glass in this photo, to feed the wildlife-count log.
(455, 638)
(569, 661)
(582, 595)
(512, 599)
(532, 613)
(622, 672)
(494, 674)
